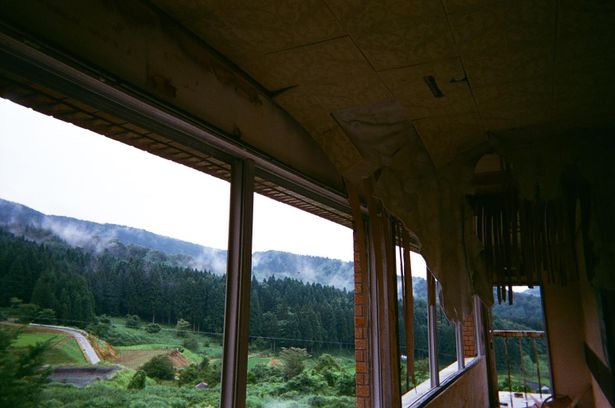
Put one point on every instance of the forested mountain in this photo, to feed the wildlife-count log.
(81, 269)
(93, 237)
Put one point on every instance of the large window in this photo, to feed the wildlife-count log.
(113, 260)
(439, 349)
(301, 319)
(520, 344)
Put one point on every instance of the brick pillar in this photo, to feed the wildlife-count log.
(469, 336)
(360, 331)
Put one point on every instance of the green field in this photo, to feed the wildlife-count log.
(64, 349)
(314, 386)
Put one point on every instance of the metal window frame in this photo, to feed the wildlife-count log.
(238, 282)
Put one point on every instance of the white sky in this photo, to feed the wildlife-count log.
(60, 169)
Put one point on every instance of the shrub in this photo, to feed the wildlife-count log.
(46, 316)
(261, 373)
(293, 360)
(133, 321)
(3, 315)
(27, 312)
(191, 343)
(346, 384)
(182, 327)
(326, 362)
(152, 328)
(138, 381)
(104, 319)
(307, 382)
(159, 367)
(22, 376)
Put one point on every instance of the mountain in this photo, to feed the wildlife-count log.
(35, 226)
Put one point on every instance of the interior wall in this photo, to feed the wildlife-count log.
(468, 391)
(591, 321)
(566, 334)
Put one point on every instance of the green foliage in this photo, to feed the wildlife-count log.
(137, 381)
(182, 328)
(202, 372)
(133, 321)
(15, 302)
(307, 382)
(22, 377)
(346, 384)
(67, 293)
(46, 316)
(320, 401)
(261, 373)
(293, 358)
(159, 367)
(191, 343)
(27, 312)
(152, 328)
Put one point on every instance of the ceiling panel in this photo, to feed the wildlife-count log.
(506, 41)
(306, 109)
(241, 28)
(409, 86)
(446, 137)
(334, 72)
(516, 104)
(395, 34)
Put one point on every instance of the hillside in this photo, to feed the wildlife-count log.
(30, 224)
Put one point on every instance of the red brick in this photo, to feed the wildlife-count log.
(360, 299)
(359, 333)
(362, 402)
(360, 344)
(360, 356)
(362, 391)
(359, 310)
(360, 322)
(358, 287)
(361, 379)
(361, 367)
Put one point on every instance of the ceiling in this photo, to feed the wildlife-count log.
(499, 65)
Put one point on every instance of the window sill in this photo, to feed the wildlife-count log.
(423, 392)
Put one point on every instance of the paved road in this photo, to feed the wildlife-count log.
(79, 335)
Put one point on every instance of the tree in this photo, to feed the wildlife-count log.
(159, 367)
(293, 360)
(46, 316)
(152, 328)
(27, 312)
(137, 382)
(22, 376)
(191, 343)
(182, 327)
(133, 321)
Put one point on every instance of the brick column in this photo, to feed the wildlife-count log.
(360, 331)
(469, 336)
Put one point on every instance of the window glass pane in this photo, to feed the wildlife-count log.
(124, 251)
(421, 383)
(301, 320)
(520, 343)
(447, 344)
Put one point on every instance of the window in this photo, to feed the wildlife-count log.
(438, 343)
(301, 318)
(102, 237)
(520, 343)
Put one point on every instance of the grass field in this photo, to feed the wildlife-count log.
(64, 349)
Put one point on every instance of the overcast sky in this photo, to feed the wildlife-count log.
(60, 169)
